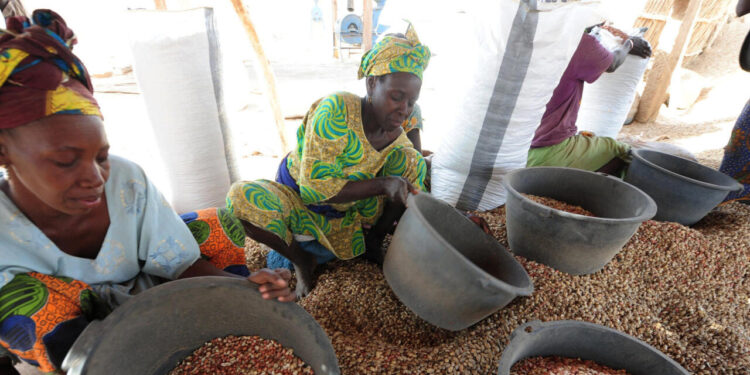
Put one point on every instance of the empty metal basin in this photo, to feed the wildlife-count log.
(684, 191)
(588, 341)
(446, 269)
(154, 331)
(568, 242)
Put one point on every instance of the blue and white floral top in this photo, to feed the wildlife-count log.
(145, 236)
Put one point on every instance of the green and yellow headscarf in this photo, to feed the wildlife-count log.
(395, 54)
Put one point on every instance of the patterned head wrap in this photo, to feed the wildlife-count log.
(39, 75)
(395, 54)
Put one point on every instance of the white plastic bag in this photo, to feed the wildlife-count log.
(521, 51)
(177, 66)
(606, 102)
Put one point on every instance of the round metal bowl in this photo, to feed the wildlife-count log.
(568, 242)
(446, 269)
(684, 191)
(587, 341)
(155, 330)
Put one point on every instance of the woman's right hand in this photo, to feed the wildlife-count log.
(641, 47)
(397, 189)
(274, 284)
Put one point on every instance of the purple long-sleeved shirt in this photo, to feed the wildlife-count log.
(589, 61)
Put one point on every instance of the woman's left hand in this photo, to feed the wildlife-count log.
(274, 284)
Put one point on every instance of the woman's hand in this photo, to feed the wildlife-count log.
(274, 284)
(641, 47)
(397, 189)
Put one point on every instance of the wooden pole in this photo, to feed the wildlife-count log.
(665, 63)
(161, 4)
(271, 92)
(367, 26)
(335, 8)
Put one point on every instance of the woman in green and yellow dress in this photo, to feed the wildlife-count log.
(346, 183)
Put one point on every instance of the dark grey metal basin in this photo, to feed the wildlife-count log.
(446, 269)
(568, 242)
(684, 191)
(588, 341)
(155, 330)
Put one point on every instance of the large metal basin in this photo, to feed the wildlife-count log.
(684, 191)
(568, 242)
(446, 269)
(155, 330)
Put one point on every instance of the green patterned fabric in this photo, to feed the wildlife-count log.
(332, 150)
(579, 151)
(394, 54)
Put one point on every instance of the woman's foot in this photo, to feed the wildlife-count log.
(304, 262)
(304, 268)
(6, 367)
(374, 248)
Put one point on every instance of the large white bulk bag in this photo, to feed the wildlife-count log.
(177, 67)
(606, 102)
(523, 48)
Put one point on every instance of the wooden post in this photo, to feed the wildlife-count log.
(367, 26)
(161, 4)
(335, 8)
(665, 63)
(273, 96)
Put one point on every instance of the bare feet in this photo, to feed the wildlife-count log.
(304, 282)
(374, 248)
(6, 367)
(304, 262)
(304, 268)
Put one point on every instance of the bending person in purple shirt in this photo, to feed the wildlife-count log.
(555, 142)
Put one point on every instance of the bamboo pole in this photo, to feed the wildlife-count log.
(367, 26)
(270, 80)
(665, 63)
(335, 8)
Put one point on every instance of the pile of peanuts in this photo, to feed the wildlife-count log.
(685, 291)
(246, 355)
(554, 365)
(558, 205)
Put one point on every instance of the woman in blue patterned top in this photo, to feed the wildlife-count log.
(82, 230)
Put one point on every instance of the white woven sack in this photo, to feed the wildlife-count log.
(606, 102)
(523, 48)
(178, 72)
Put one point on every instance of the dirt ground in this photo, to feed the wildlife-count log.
(704, 128)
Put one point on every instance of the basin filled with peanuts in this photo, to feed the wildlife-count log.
(203, 325)
(596, 217)
(684, 191)
(682, 290)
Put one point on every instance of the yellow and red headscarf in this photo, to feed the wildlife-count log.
(39, 75)
(395, 54)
